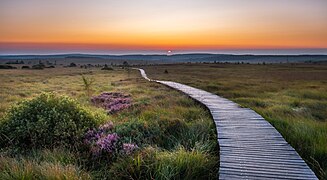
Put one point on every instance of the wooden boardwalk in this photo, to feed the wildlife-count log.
(250, 147)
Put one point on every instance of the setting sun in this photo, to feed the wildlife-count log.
(157, 25)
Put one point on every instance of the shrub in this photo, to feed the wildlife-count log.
(112, 102)
(106, 67)
(38, 66)
(46, 121)
(72, 65)
(25, 67)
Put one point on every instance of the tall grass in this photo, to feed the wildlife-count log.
(292, 97)
(57, 164)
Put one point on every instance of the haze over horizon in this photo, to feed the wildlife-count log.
(154, 27)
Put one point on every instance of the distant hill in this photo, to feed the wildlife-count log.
(177, 58)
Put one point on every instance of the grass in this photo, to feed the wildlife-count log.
(292, 97)
(169, 123)
(47, 164)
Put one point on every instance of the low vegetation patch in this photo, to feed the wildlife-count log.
(112, 101)
(54, 136)
(153, 163)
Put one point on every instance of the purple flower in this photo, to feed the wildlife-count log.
(112, 102)
(107, 143)
(129, 148)
(103, 142)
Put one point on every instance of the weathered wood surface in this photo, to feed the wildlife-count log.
(250, 147)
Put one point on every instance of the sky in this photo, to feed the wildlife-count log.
(157, 26)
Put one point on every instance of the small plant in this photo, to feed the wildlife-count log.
(166, 71)
(87, 83)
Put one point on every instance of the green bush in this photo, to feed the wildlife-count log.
(48, 120)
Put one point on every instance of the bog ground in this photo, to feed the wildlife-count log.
(292, 97)
(174, 137)
(172, 133)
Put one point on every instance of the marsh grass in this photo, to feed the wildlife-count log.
(21, 168)
(292, 97)
(160, 119)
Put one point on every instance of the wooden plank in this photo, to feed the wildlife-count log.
(250, 147)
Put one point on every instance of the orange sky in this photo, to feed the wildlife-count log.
(159, 24)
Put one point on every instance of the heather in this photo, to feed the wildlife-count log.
(104, 142)
(131, 121)
(112, 101)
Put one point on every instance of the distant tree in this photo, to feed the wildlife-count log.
(166, 71)
(72, 65)
(25, 67)
(125, 64)
(106, 67)
(38, 66)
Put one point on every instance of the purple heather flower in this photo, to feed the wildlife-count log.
(129, 148)
(107, 143)
(112, 102)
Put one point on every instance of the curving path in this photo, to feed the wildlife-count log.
(250, 147)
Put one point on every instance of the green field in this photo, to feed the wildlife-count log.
(292, 97)
(176, 136)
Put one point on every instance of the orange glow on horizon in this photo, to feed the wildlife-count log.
(182, 25)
